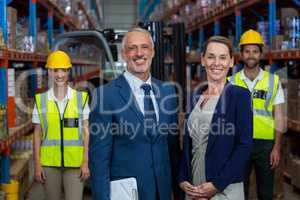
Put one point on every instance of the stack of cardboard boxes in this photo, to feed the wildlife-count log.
(284, 40)
(293, 99)
(23, 99)
(12, 17)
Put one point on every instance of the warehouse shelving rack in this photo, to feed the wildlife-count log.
(15, 55)
(16, 133)
(174, 10)
(276, 55)
(55, 18)
(89, 18)
(216, 14)
(234, 13)
(234, 10)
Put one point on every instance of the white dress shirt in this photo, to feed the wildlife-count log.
(279, 96)
(61, 106)
(135, 84)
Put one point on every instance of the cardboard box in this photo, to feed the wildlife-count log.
(277, 42)
(12, 17)
(288, 164)
(2, 44)
(3, 121)
(23, 100)
(19, 172)
(286, 13)
(293, 88)
(296, 172)
(42, 42)
(55, 2)
(292, 111)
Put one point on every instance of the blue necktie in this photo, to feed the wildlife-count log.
(149, 116)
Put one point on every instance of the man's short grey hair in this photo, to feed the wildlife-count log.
(137, 29)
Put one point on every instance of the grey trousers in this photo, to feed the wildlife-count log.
(66, 177)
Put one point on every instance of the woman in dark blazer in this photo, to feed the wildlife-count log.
(218, 131)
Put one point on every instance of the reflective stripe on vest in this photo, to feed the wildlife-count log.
(44, 96)
(80, 116)
(232, 79)
(262, 112)
(69, 128)
(66, 143)
(262, 108)
(270, 90)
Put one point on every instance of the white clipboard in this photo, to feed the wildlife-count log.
(124, 189)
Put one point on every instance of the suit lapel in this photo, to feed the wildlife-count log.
(158, 93)
(157, 90)
(219, 113)
(128, 97)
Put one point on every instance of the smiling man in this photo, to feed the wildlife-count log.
(147, 148)
(268, 121)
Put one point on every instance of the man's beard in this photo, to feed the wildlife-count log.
(251, 65)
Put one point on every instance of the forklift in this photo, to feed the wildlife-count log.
(101, 48)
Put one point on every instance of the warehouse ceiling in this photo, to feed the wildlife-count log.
(119, 14)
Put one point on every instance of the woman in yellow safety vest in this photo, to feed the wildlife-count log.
(61, 133)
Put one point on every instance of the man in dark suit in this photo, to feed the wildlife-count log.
(134, 127)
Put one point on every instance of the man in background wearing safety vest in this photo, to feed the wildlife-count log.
(61, 133)
(268, 121)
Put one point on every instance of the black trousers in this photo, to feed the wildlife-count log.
(260, 161)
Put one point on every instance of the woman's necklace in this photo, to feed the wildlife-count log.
(205, 98)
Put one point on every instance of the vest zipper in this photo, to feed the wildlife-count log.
(62, 133)
(252, 88)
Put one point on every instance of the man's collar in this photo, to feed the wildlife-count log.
(134, 81)
(259, 77)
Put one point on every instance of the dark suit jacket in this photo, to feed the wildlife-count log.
(230, 139)
(120, 147)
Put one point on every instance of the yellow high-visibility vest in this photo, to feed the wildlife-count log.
(62, 139)
(262, 102)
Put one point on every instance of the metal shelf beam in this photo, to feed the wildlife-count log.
(238, 26)
(32, 21)
(219, 13)
(217, 28)
(50, 27)
(272, 21)
(3, 19)
(201, 38)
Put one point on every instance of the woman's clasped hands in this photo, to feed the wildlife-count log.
(204, 191)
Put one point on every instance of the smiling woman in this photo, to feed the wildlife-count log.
(59, 76)
(218, 104)
(61, 133)
(217, 59)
